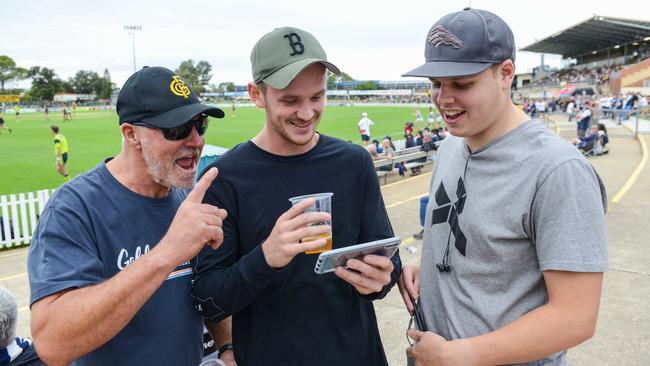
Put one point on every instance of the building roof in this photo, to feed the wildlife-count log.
(598, 33)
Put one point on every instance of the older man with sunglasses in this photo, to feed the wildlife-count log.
(111, 260)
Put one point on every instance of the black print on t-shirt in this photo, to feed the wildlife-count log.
(449, 212)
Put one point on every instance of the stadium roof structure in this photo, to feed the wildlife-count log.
(597, 33)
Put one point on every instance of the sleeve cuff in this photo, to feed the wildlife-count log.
(254, 268)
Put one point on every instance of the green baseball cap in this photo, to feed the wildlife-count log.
(280, 55)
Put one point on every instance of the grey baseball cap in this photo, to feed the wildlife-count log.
(465, 43)
(280, 55)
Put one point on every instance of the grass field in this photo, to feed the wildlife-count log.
(27, 154)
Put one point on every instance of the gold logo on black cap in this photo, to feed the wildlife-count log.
(439, 35)
(179, 88)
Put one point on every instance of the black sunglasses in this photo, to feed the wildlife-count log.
(181, 132)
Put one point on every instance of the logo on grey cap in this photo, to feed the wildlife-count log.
(296, 44)
(439, 35)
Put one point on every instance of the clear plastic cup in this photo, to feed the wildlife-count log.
(323, 204)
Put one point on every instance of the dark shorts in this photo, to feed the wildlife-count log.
(64, 157)
(365, 138)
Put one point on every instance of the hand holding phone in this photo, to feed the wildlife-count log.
(329, 260)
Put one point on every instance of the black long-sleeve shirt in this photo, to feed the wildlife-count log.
(293, 316)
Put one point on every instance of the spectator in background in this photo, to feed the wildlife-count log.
(435, 135)
(604, 137)
(444, 133)
(372, 150)
(390, 141)
(424, 201)
(570, 109)
(379, 148)
(540, 106)
(408, 128)
(594, 142)
(14, 351)
(426, 134)
(642, 105)
(419, 120)
(364, 127)
(431, 118)
(583, 119)
(586, 143)
(419, 138)
(532, 110)
(388, 153)
(409, 141)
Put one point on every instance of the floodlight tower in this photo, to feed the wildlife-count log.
(131, 29)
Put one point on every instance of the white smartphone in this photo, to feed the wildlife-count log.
(328, 261)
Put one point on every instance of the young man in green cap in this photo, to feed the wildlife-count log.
(515, 240)
(283, 312)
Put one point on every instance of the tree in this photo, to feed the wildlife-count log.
(227, 86)
(104, 88)
(66, 87)
(45, 83)
(84, 82)
(26, 98)
(367, 85)
(9, 71)
(198, 75)
(332, 79)
(89, 82)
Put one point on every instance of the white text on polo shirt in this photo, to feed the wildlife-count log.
(124, 260)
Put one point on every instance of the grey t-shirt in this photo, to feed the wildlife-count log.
(92, 228)
(525, 203)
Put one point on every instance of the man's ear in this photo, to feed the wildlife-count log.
(130, 135)
(507, 73)
(256, 94)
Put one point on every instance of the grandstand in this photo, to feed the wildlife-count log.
(409, 84)
(604, 55)
(384, 91)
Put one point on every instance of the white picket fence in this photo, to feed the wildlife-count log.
(19, 214)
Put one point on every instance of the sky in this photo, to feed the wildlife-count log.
(369, 40)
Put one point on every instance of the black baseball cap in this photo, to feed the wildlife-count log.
(465, 43)
(160, 98)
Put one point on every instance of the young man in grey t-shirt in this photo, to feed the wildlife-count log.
(515, 242)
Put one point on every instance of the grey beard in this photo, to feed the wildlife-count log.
(163, 176)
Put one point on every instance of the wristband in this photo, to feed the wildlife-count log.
(224, 348)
